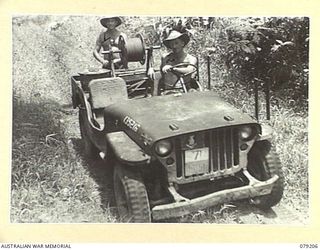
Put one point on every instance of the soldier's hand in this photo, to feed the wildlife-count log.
(106, 65)
(166, 68)
(151, 73)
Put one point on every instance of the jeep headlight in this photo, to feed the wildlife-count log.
(247, 132)
(163, 148)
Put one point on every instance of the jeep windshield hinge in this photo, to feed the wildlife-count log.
(266, 88)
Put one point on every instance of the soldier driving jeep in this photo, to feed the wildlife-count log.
(174, 65)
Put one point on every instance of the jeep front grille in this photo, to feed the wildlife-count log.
(223, 147)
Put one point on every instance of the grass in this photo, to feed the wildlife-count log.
(48, 174)
(290, 138)
(51, 180)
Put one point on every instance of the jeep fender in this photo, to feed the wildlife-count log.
(75, 85)
(126, 150)
(266, 132)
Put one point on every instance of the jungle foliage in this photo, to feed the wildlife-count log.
(264, 50)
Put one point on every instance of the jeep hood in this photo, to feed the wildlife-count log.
(150, 119)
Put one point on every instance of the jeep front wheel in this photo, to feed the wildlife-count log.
(264, 163)
(131, 195)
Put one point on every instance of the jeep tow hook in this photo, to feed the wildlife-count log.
(176, 196)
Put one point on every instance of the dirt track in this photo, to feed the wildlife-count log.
(46, 53)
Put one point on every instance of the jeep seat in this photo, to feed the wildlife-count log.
(106, 91)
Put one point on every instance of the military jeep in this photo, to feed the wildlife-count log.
(172, 154)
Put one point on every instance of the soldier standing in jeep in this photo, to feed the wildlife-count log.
(174, 64)
(108, 40)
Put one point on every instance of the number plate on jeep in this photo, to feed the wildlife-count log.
(196, 161)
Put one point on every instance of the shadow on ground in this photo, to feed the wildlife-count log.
(102, 173)
(46, 149)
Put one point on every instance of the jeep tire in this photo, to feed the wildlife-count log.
(131, 195)
(264, 163)
(90, 150)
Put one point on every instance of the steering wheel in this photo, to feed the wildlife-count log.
(181, 76)
(180, 65)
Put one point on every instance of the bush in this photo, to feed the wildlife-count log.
(270, 50)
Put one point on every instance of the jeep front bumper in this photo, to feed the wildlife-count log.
(179, 208)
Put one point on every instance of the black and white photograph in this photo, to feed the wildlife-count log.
(160, 119)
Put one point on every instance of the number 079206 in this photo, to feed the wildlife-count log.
(308, 246)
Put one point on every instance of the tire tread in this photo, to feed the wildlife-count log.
(137, 197)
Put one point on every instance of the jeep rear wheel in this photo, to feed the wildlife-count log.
(264, 163)
(131, 195)
(90, 150)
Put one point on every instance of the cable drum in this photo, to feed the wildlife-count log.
(132, 50)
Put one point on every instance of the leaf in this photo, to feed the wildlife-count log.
(275, 48)
(192, 31)
(246, 49)
(253, 48)
(280, 42)
(256, 38)
(245, 41)
(288, 43)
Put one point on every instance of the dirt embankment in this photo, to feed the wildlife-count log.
(51, 182)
